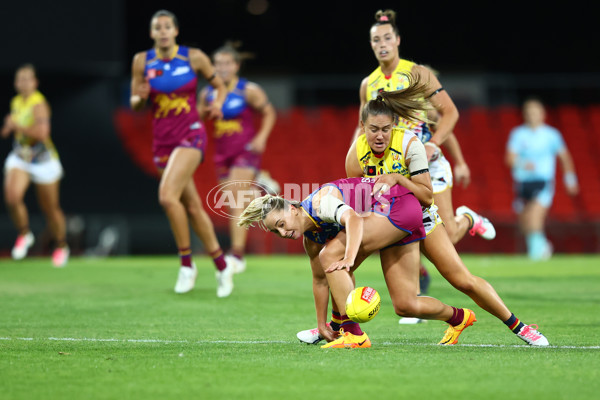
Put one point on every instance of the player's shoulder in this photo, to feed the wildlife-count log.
(140, 55)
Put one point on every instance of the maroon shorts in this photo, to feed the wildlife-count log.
(195, 140)
(243, 159)
(404, 213)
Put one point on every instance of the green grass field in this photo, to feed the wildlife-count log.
(113, 328)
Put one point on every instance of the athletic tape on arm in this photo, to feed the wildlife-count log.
(331, 208)
(417, 156)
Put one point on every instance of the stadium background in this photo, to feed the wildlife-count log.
(310, 58)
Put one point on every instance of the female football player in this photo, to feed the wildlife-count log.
(384, 151)
(239, 146)
(531, 154)
(390, 76)
(337, 239)
(167, 75)
(33, 159)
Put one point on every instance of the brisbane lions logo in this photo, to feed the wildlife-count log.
(167, 102)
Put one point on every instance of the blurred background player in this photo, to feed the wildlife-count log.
(33, 159)
(531, 155)
(239, 145)
(390, 76)
(167, 75)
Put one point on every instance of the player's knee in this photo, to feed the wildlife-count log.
(327, 256)
(12, 199)
(406, 309)
(194, 209)
(167, 200)
(452, 231)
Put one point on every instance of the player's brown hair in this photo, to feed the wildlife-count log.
(383, 17)
(404, 103)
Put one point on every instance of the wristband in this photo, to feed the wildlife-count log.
(570, 179)
(430, 143)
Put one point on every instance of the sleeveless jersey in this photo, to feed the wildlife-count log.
(236, 128)
(378, 82)
(28, 148)
(391, 161)
(356, 193)
(173, 96)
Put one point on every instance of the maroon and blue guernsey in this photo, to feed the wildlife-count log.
(173, 96)
(398, 204)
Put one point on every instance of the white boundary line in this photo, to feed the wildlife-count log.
(161, 341)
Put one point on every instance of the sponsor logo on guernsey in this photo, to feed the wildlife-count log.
(367, 294)
(181, 70)
(151, 73)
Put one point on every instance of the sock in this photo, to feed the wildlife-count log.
(219, 259)
(514, 324)
(470, 218)
(536, 244)
(458, 314)
(237, 254)
(61, 243)
(185, 254)
(336, 320)
(350, 326)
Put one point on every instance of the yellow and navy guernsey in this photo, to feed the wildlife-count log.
(25, 147)
(390, 161)
(378, 82)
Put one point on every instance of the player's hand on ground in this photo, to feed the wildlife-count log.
(462, 175)
(328, 333)
(345, 264)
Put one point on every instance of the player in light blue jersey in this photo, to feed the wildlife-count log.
(531, 154)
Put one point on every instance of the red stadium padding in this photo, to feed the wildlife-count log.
(309, 145)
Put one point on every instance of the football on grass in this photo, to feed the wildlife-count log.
(362, 304)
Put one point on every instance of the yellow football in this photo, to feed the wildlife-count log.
(363, 304)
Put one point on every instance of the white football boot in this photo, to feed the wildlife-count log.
(225, 279)
(239, 266)
(531, 335)
(310, 336)
(186, 279)
(481, 225)
(22, 246)
(271, 185)
(411, 321)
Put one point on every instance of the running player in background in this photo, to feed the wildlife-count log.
(531, 154)
(167, 76)
(33, 159)
(239, 145)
